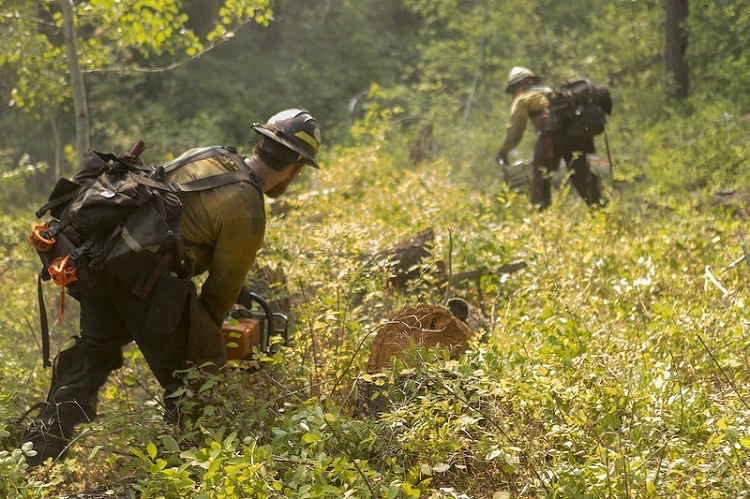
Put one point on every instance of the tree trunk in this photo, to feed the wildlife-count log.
(480, 57)
(76, 80)
(676, 47)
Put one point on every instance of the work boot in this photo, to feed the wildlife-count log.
(47, 435)
(51, 431)
(72, 399)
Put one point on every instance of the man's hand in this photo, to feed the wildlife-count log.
(502, 158)
(245, 297)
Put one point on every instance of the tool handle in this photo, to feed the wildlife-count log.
(137, 149)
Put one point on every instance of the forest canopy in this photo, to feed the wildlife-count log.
(180, 73)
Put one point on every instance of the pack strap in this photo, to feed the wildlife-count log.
(64, 191)
(609, 155)
(43, 322)
(61, 201)
(202, 153)
(166, 259)
(244, 174)
(202, 184)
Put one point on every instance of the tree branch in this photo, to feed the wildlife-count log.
(163, 69)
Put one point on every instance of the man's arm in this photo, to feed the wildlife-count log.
(514, 130)
(233, 255)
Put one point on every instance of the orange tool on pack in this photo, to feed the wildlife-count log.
(41, 238)
(62, 270)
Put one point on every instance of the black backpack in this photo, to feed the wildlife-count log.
(580, 108)
(119, 219)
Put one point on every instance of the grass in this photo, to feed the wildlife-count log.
(616, 366)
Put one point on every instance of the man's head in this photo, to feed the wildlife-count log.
(289, 141)
(291, 136)
(519, 78)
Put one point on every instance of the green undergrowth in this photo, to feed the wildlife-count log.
(616, 363)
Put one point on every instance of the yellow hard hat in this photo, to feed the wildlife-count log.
(294, 129)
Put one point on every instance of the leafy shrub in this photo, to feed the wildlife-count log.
(699, 149)
(616, 361)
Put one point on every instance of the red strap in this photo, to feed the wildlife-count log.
(149, 284)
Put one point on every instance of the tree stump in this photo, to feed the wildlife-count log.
(419, 325)
(422, 326)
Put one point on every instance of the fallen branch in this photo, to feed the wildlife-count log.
(744, 257)
(715, 282)
(506, 268)
(735, 263)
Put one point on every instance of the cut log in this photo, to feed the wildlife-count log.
(421, 326)
(405, 257)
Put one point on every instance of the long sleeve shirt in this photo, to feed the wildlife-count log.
(223, 229)
(529, 104)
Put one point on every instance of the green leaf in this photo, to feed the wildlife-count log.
(310, 438)
(170, 443)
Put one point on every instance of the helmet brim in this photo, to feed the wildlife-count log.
(286, 143)
(511, 88)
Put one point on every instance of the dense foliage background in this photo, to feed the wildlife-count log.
(617, 360)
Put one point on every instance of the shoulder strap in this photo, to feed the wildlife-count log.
(203, 184)
(202, 153)
(210, 182)
(43, 322)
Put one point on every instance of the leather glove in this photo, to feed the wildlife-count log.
(502, 158)
(244, 298)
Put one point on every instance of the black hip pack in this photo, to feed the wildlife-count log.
(118, 220)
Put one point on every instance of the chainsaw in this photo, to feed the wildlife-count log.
(247, 331)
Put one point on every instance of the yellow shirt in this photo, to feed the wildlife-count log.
(223, 229)
(528, 104)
